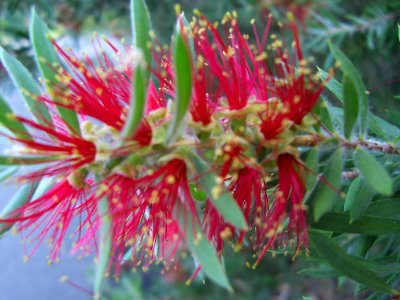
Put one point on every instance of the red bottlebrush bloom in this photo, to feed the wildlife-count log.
(294, 89)
(50, 215)
(249, 192)
(73, 151)
(155, 99)
(203, 104)
(149, 205)
(216, 228)
(288, 200)
(145, 214)
(101, 91)
(164, 77)
(226, 62)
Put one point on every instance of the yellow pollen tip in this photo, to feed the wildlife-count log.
(170, 179)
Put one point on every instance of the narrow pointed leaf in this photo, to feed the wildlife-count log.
(398, 31)
(26, 160)
(373, 172)
(7, 119)
(365, 224)
(104, 248)
(47, 60)
(196, 193)
(45, 184)
(349, 70)
(352, 193)
(138, 100)
(183, 82)
(358, 198)
(24, 195)
(326, 190)
(219, 195)
(312, 164)
(383, 129)
(385, 208)
(333, 85)
(394, 117)
(334, 255)
(141, 27)
(323, 112)
(350, 106)
(7, 172)
(186, 26)
(26, 85)
(205, 253)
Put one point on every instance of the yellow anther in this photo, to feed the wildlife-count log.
(170, 179)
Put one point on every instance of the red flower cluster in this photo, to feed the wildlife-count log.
(244, 96)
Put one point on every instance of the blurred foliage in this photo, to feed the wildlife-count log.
(274, 278)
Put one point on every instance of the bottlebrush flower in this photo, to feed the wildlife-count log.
(249, 192)
(101, 89)
(50, 215)
(293, 89)
(227, 62)
(145, 215)
(287, 202)
(70, 151)
(265, 89)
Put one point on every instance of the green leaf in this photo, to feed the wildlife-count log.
(45, 184)
(183, 81)
(7, 119)
(337, 116)
(189, 35)
(352, 193)
(312, 163)
(365, 224)
(385, 208)
(47, 60)
(398, 31)
(197, 194)
(141, 27)
(394, 117)
(349, 70)
(348, 265)
(322, 271)
(323, 111)
(219, 195)
(326, 189)
(26, 160)
(380, 265)
(333, 85)
(7, 172)
(383, 129)
(138, 100)
(350, 106)
(23, 196)
(373, 172)
(104, 248)
(26, 85)
(358, 198)
(204, 252)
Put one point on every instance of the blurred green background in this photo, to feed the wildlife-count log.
(365, 30)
